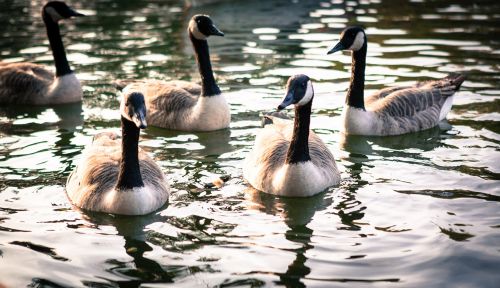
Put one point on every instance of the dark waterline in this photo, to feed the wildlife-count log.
(418, 210)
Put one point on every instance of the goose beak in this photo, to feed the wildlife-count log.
(140, 120)
(287, 101)
(215, 31)
(336, 48)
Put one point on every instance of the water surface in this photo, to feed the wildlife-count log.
(419, 210)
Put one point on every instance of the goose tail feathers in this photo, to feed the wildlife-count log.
(448, 85)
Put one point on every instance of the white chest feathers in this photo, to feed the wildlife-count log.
(301, 180)
(357, 121)
(135, 201)
(209, 113)
(65, 89)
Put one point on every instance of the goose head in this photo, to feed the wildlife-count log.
(58, 10)
(352, 38)
(201, 27)
(133, 108)
(299, 91)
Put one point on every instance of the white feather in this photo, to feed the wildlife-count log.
(308, 95)
(135, 201)
(301, 180)
(359, 41)
(446, 108)
(209, 113)
(193, 28)
(357, 121)
(64, 89)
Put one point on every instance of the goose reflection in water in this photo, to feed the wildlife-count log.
(132, 229)
(425, 140)
(297, 213)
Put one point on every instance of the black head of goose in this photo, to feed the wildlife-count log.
(187, 106)
(116, 176)
(200, 28)
(52, 13)
(28, 83)
(288, 158)
(394, 110)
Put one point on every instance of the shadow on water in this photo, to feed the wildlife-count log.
(426, 140)
(296, 213)
(133, 230)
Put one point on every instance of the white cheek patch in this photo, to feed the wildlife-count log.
(359, 41)
(53, 14)
(193, 28)
(308, 95)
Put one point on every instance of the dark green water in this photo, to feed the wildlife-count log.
(419, 210)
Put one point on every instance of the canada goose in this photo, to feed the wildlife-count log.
(393, 110)
(33, 84)
(181, 105)
(116, 176)
(287, 158)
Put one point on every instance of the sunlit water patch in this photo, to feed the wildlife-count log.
(417, 210)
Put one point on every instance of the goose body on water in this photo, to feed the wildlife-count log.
(116, 176)
(33, 84)
(186, 106)
(288, 159)
(393, 110)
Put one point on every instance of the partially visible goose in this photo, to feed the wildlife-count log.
(116, 176)
(33, 84)
(394, 110)
(181, 105)
(287, 158)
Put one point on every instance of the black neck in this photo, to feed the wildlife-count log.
(208, 85)
(299, 145)
(355, 95)
(130, 173)
(56, 44)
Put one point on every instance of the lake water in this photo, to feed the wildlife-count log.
(419, 210)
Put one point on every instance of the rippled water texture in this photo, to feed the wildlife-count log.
(420, 210)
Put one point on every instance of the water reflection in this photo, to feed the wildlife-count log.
(400, 145)
(133, 230)
(297, 213)
(409, 208)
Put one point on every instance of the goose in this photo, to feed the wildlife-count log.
(186, 106)
(33, 84)
(393, 110)
(116, 176)
(287, 158)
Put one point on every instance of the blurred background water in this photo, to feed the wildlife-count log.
(418, 210)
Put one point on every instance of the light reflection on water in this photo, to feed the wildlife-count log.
(412, 210)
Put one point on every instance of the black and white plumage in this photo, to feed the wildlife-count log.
(288, 159)
(186, 106)
(394, 110)
(116, 176)
(33, 84)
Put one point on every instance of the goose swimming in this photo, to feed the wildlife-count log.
(186, 106)
(393, 110)
(33, 84)
(116, 176)
(288, 159)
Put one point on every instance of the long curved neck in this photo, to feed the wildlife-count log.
(208, 85)
(129, 175)
(355, 95)
(56, 44)
(299, 145)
